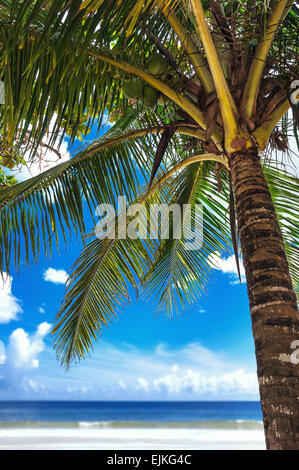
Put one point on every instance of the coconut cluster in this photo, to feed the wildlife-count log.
(141, 92)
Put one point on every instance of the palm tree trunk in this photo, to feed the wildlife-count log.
(273, 304)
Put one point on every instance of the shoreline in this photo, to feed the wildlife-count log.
(130, 439)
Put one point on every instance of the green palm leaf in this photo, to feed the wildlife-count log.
(178, 275)
(54, 200)
(53, 58)
(284, 192)
(97, 289)
(99, 286)
(100, 279)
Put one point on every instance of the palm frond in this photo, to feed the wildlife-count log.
(179, 275)
(54, 200)
(53, 59)
(99, 283)
(97, 289)
(101, 278)
(49, 63)
(284, 192)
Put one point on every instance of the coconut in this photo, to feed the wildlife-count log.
(158, 65)
(133, 88)
(149, 96)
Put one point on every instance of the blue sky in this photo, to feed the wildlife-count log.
(207, 354)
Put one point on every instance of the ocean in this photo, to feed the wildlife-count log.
(133, 425)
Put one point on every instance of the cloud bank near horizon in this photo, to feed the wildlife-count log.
(124, 372)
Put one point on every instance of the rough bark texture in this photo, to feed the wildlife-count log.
(273, 304)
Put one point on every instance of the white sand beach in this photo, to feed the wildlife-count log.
(88, 438)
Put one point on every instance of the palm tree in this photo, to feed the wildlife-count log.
(199, 92)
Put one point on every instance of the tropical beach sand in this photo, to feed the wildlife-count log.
(85, 437)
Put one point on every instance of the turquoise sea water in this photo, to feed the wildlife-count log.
(213, 415)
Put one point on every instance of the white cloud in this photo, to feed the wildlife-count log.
(49, 158)
(9, 305)
(57, 276)
(122, 385)
(2, 353)
(189, 372)
(142, 384)
(236, 382)
(42, 330)
(81, 389)
(23, 350)
(227, 266)
(195, 353)
(30, 385)
(288, 162)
